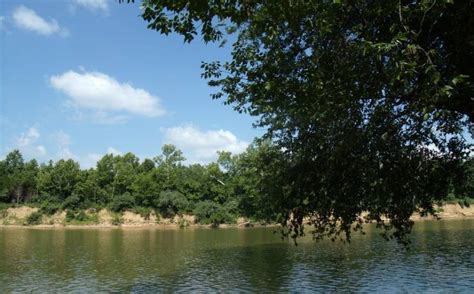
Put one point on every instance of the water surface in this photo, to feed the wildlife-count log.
(441, 259)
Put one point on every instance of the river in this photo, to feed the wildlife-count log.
(440, 259)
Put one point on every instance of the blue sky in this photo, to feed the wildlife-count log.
(82, 78)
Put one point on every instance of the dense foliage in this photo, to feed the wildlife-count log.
(215, 193)
(370, 100)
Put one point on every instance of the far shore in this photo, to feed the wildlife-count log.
(104, 219)
(140, 226)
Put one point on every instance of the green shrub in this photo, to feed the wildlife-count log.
(70, 215)
(171, 203)
(4, 210)
(439, 210)
(208, 212)
(144, 212)
(466, 202)
(204, 210)
(35, 218)
(122, 202)
(117, 219)
(183, 223)
(49, 208)
(81, 217)
(4, 195)
(157, 218)
(72, 202)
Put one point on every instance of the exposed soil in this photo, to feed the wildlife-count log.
(105, 218)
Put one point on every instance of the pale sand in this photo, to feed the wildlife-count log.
(17, 217)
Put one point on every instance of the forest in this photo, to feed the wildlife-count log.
(219, 192)
(214, 193)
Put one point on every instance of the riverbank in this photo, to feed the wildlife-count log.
(21, 216)
(450, 211)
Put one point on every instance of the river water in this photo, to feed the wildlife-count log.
(440, 259)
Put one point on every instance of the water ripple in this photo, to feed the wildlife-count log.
(440, 260)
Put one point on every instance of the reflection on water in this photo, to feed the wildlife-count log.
(148, 260)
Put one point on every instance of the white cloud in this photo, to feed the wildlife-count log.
(27, 143)
(63, 139)
(202, 146)
(93, 5)
(40, 150)
(112, 150)
(86, 161)
(90, 160)
(28, 138)
(66, 153)
(99, 117)
(2, 18)
(101, 93)
(28, 19)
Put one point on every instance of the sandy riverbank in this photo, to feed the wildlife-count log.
(450, 211)
(18, 216)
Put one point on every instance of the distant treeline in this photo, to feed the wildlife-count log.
(215, 193)
(219, 192)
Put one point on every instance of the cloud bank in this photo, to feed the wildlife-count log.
(101, 93)
(201, 146)
(27, 143)
(94, 5)
(27, 19)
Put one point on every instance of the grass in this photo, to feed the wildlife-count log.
(81, 217)
(144, 212)
(117, 219)
(461, 201)
(3, 209)
(182, 222)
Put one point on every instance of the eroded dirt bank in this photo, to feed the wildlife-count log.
(19, 216)
(104, 218)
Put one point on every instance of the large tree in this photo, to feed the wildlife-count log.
(370, 100)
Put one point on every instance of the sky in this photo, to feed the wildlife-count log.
(83, 78)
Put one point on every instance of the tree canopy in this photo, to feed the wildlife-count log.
(369, 102)
(218, 192)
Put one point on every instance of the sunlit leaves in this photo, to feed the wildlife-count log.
(368, 102)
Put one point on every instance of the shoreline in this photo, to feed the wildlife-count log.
(140, 226)
(104, 219)
(192, 227)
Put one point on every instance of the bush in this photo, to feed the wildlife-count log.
(144, 212)
(208, 212)
(81, 217)
(70, 215)
(4, 196)
(72, 202)
(122, 202)
(34, 219)
(117, 219)
(204, 210)
(4, 209)
(466, 202)
(49, 208)
(171, 203)
(183, 223)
